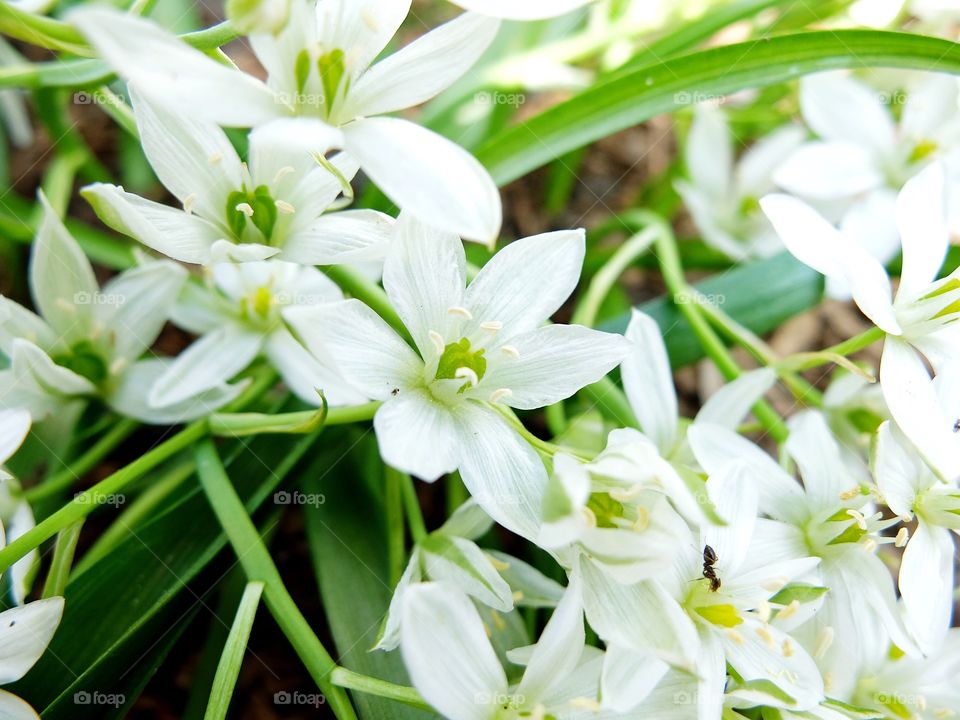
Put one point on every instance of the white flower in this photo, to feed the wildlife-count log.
(475, 348)
(14, 426)
(452, 664)
(904, 687)
(272, 208)
(15, 513)
(87, 340)
(686, 620)
(924, 312)
(829, 517)
(521, 9)
(722, 196)
(258, 15)
(25, 633)
(238, 316)
(862, 150)
(322, 66)
(926, 569)
(451, 555)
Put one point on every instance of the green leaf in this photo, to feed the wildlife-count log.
(759, 295)
(232, 658)
(638, 95)
(800, 592)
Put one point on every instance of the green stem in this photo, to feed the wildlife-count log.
(62, 480)
(393, 501)
(684, 297)
(228, 668)
(355, 284)
(306, 421)
(609, 275)
(62, 560)
(418, 529)
(847, 347)
(547, 448)
(104, 491)
(381, 688)
(762, 352)
(611, 401)
(259, 566)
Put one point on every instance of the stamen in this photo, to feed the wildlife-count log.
(789, 610)
(643, 519)
(585, 703)
(735, 636)
(282, 173)
(517, 596)
(437, 340)
(215, 158)
(460, 312)
(500, 394)
(869, 545)
(902, 538)
(590, 516)
(626, 494)
(492, 325)
(244, 208)
(788, 650)
(468, 374)
(498, 565)
(510, 350)
(859, 517)
(369, 20)
(824, 641)
(498, 622)
(775, 584)
(850, 494)
(66, 306)
(764, 611)
(284, 207)
(188, 203)
(765, 635)
(117, 366)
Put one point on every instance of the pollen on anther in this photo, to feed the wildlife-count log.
(492, 325)
(437, 340)
(285, 207)
(735, 636)
(585, 703)
(788, 650)
(850, 494)
(824, 641)
(643, 520)
(460, 312)
(789, 610)
(510, 350)
(117, 366)
(188, 203)
(902, 537)
(765, 635)
(282, 173)
(370, 20)
(244, 208)
(500, 394)
(859, 517)
(215, 158)
(468, 374)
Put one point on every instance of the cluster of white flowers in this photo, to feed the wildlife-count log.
(721, 582)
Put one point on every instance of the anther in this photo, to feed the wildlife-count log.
(859, 517)
(510, 350)
(500, 394)
(643, 520)
(735, 636)
(188, 203)
(468, 374)
(244, 208)
(902, 537)
(215, 158)
(765, 635)
(824, 641)
(850, 494)
(789, 610)
(492, 325)
(284, 207)
(437, 340)
(282, 173)
(460, 312)
(788, 650)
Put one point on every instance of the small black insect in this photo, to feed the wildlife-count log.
(395, 392)
(709, 572)
(956, 426)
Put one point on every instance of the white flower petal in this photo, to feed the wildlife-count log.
(900, 474)
(628, 677)
(208, 363)
(289, 143)
(129, 397)
(931, 105)
(922, 220)
(709, 152)
(18, 322)
(137, 304)
(424, 276)
(557, 652)
(361, 28)
(171, 71)
(172, 232)
(15, 708)
(756, 168)
(390, 630)
(712, 677)
(30, 363)
(14, 427)
(825, 170)
(447, 653)
(648, 382)
(461, 563)
(61, 278)
(730, 404)
(838, 107)
(427, 175)
(735, 496)
(503, 473)
(25, 633)
(305, 375)
(553, 363)
(344, 237)
(527, 281)
(369, 354)
(926, 585)
(417, 434)
(422, 69)
(813, 447)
